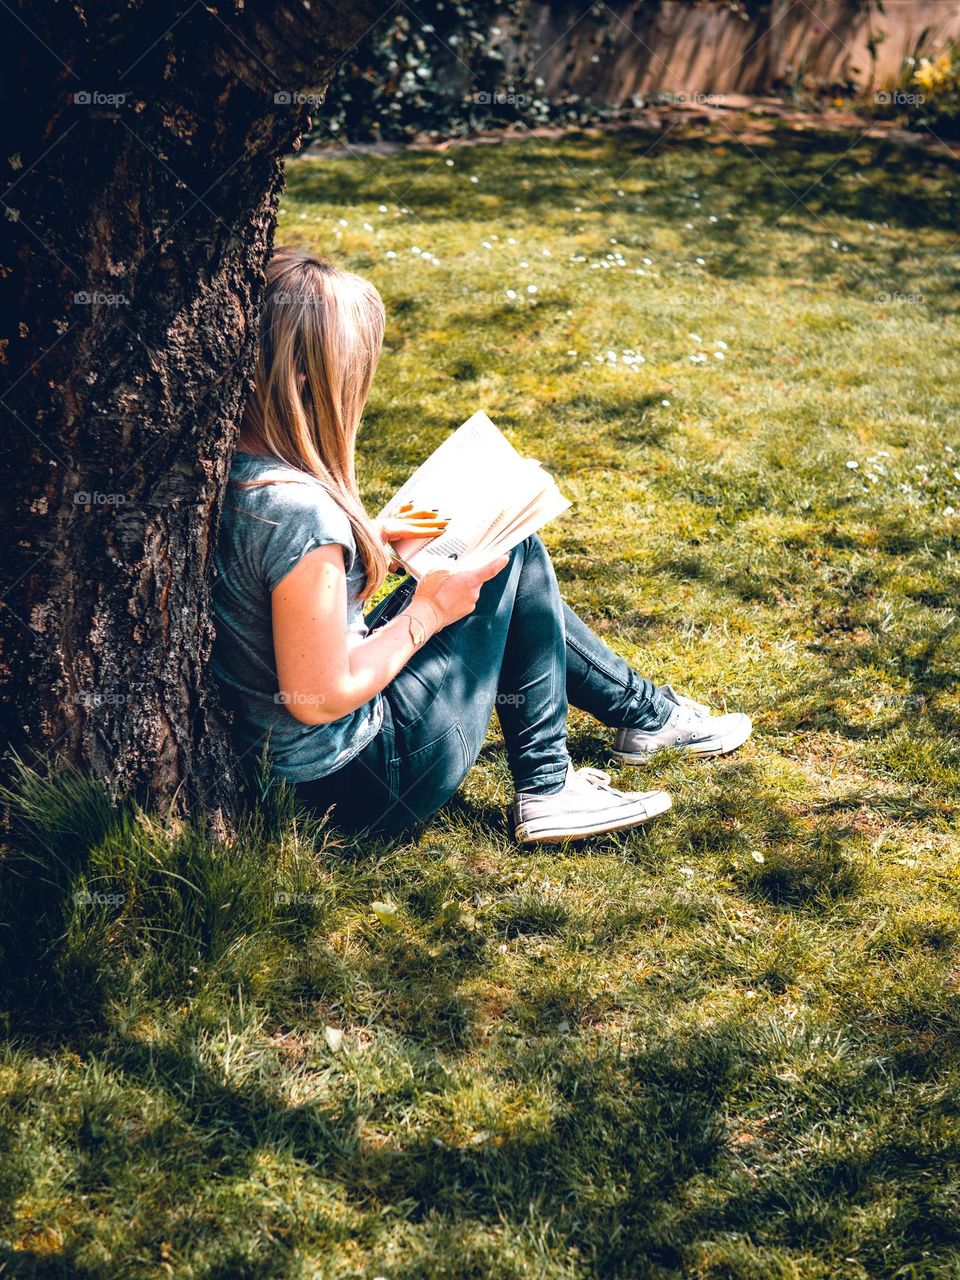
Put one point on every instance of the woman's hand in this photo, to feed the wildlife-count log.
(408, 523)
(453, 594)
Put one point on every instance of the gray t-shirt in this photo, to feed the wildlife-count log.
(264, 532)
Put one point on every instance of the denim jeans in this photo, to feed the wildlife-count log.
(523, 653)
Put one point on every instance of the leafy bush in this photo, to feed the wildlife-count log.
(444, 75)
(937, 80)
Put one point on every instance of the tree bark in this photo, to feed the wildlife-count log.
(142, 167)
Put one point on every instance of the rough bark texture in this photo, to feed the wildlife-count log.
(142, 164)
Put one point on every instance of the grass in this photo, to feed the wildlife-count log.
(728, 1047)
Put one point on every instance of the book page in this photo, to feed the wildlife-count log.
(478, 480)
(541, 512)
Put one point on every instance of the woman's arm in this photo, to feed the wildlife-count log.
(322, 676)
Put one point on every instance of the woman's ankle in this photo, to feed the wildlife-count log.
(544, 782)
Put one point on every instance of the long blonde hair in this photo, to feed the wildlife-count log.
(320, 340)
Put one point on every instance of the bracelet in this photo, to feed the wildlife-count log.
(416, 625)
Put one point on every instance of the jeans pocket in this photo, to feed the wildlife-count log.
(429, 775)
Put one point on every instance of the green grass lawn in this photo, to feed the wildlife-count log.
(728, 1046)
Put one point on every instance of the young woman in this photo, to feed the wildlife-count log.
(381, 717)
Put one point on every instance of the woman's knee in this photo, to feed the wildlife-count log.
(531, 548)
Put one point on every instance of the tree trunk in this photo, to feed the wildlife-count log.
(142, 167)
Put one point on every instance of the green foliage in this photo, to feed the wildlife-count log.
(937, 81)
(926, 95)
(445, 69)
(725, 1047)
(438, 70)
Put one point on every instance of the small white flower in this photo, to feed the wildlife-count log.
(853, 466)
(474, 178)
(487, 244)
(758, 857)
(694, 337)
(648, 262)
(449, 163)
(701, 262)
(665, 403)
(713, 218)
(721, 344)
(511, 293)
(382, 208)
(414, 249)
(532, 288)
(344, 222)
(390, 253)
(718, 355)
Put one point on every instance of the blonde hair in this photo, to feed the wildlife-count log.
(320, 340)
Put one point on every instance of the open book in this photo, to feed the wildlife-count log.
(494, 498)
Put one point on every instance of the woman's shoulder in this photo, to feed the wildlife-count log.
(273, 514)
(273, 489)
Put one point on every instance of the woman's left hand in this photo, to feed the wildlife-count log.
(408, 523)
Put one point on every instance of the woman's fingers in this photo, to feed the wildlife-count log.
(433, 525)
(489, 570)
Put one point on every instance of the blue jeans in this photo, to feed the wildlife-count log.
(522, 652)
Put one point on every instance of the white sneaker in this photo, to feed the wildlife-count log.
(587, 806)
(691, 727)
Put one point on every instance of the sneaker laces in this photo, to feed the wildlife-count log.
(698, 708)
(595, 778)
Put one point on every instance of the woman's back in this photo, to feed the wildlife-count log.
(273, 516)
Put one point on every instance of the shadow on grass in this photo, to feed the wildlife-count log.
(614, 1169)
(614, 1166)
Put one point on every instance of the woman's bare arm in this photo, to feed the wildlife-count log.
(322, 675)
